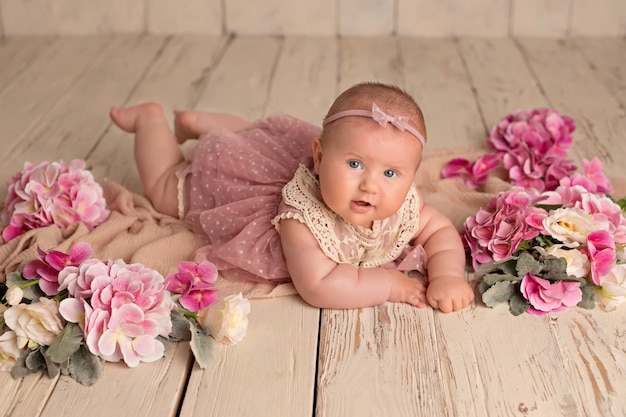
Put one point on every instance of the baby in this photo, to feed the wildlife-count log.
(335, 210)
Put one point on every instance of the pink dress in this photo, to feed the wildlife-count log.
(238, 186)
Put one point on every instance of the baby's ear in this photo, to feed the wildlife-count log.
(317, 154)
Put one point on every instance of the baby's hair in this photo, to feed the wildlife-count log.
(390, 98)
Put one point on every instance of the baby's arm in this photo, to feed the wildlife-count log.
(448, 289)
(324, 283)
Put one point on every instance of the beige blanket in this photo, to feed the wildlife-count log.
(135, 232)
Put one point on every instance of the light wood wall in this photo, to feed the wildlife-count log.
(431, 18)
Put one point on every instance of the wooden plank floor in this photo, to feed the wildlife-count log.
(393, 360)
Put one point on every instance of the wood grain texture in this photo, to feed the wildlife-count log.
(483, 18)
(240, 81)
(601, 122)
(188, 17)
(72, 124)
(549, 18)
(434, 72)
(438, 18)
(270, 373)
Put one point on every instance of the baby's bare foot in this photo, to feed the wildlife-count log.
(184, 122)
(129, 118)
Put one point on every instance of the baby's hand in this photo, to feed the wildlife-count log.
(407, 290)
(449, 294)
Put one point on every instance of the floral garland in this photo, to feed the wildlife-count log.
(547, 243)
(69, 312)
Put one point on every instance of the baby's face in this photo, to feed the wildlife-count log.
(365, 170)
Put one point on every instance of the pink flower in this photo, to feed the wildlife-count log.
(565, 196)
(473, 173)
(78, 279)
(194, 283)
(593, 171)
(543, 129)
(601, 252)
(129, 308)
(546, 297)
(47, 266)
(496, 231)
(52, 193)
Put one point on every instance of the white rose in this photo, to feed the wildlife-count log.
(614, 288)
(577, 262)
(227, 318)
(34, 324)
(9, 351)
(14, 295)
(570, 226)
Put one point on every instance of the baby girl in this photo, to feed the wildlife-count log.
(334, 210)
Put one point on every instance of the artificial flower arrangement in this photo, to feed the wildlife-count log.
(68, 313)
(52, 193)
(547, 243)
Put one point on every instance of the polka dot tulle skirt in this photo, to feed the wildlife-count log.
(233, 188)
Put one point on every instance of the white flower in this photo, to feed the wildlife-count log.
(9, 351)
(569, 225)
(34, 324)
(227, 318)
(14, 295)
(577, 262)
(614, 288)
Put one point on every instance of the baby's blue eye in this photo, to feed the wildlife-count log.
(390, 173)
(354, 164)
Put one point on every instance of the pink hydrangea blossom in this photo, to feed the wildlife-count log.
(496, 231)
(194, 283)
(52, 193)
(532, 145)
(47, 266)
(592, 179)
(128, 309)
(545, 297)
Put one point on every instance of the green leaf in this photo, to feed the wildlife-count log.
(498, 293)
(491, 279)
(506, 266)
(180, 327)
(555, 268)
(588, 301)
(518, 304)
(15, 278)
(526, 264)
(622, 203)
(202, 345)
(20, 370)
(66, 343)
(165, 342)
(548, 207)
(35, 360)
(85, 367)
(52, 368)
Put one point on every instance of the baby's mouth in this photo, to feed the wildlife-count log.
(360, 205)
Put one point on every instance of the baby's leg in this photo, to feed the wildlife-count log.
(157, 154)
(189, 124)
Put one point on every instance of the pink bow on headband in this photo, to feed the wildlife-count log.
(382, 118)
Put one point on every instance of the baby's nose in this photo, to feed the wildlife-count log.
(369, 183)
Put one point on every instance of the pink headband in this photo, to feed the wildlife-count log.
(401, 122)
